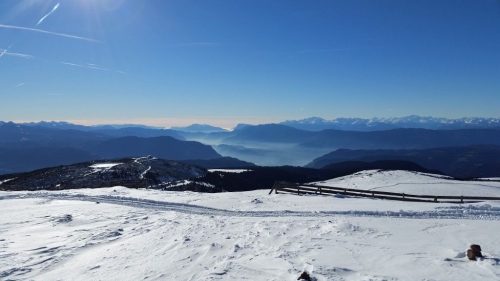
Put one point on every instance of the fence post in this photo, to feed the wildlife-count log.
(272, 188)
(298, 189)
(435, 199)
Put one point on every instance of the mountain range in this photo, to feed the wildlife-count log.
(29, 146)
(309, 124)
(275, 144)
(377, 124)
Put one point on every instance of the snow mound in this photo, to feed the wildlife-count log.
(414, 183)
(236, 171)
(104, 165)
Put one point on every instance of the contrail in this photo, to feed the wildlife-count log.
(91, 66)
(5, 52)
(5, 26)
(88, 66)
(48, 14)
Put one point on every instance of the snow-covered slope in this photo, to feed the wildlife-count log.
(138, 234)
(415, 183)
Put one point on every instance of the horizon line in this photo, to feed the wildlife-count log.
(227, 123)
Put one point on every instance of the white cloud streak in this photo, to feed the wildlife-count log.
(48, 14)
(5, 52)
(5, 26)
(87, 66)
(91, 66)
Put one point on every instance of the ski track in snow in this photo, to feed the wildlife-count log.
(138, 160)
(481, 212)
(144, 173)
(5, 181)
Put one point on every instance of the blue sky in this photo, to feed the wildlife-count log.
(169, 62)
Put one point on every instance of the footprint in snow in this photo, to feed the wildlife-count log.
(257, 201)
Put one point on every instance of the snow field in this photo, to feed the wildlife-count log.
(414, 183)
(138, 234)
(78, 240)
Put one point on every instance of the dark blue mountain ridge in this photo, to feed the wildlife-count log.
(269, 133)
(394, 138)
(408, 138)
(12, 133)
(25, 147)
(200, 128)
(220, 163)
(109, 130)
(161, 147)
(68, 125)
(459, 162)
(281, 143)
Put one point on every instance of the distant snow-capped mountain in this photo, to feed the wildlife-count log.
(374, 124)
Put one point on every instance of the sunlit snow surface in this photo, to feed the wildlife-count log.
(236, 171)
(415, 183)
(160, 235)
(104, 165)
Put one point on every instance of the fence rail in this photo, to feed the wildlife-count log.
(287, 187)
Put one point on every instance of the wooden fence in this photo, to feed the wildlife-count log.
(294, 188)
